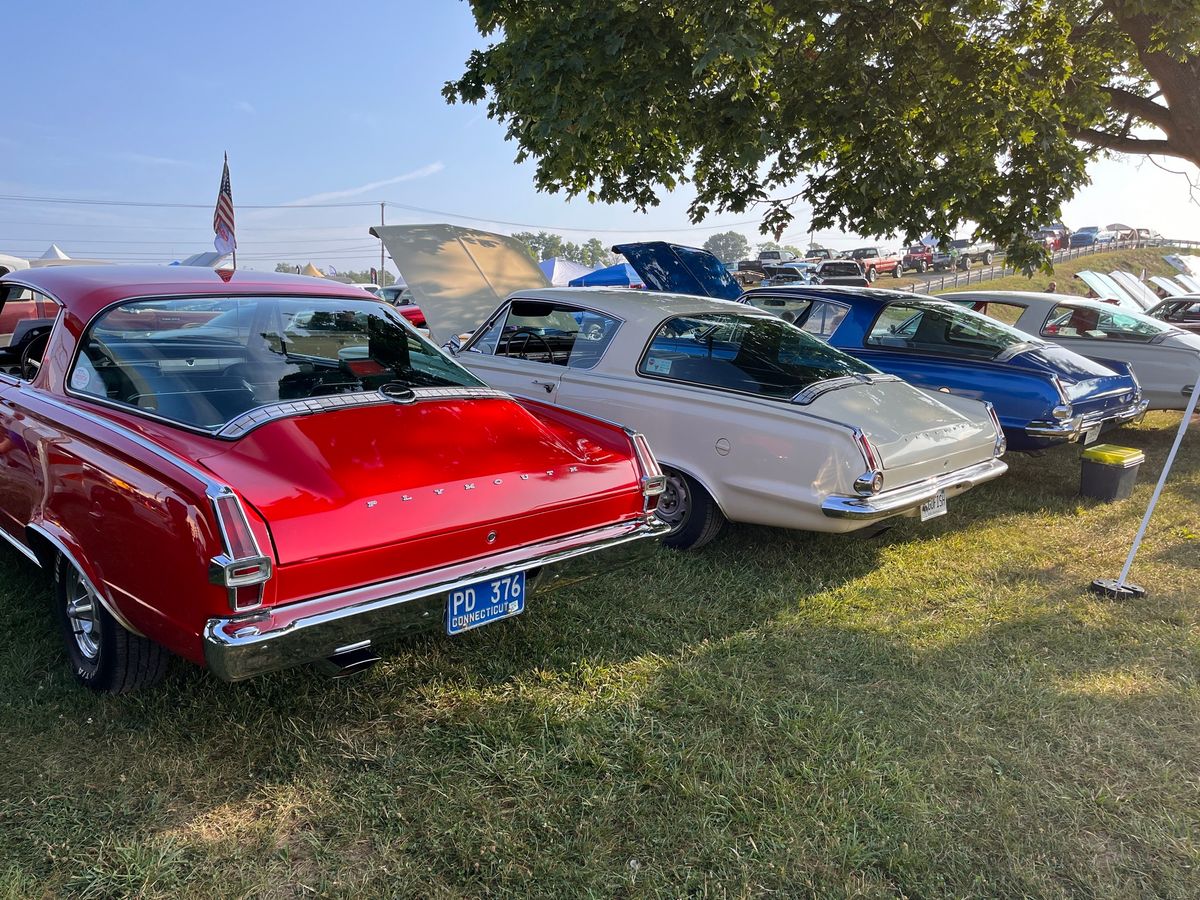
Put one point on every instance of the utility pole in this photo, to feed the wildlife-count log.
(382, 280)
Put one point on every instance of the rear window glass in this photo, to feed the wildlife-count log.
(204, 361)
(749, 354)
(1091, 323)
(944, 329)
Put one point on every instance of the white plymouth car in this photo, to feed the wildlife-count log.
(753, 419)
(1165, 358)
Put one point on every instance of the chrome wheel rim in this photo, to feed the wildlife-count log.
(84, 615)
(675, 501)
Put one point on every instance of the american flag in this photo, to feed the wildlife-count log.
(225, 242)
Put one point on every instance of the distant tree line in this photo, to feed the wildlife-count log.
(732, 246)
(544, 245)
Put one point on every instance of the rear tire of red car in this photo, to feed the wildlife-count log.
(691, 512)
(871, 274)
(104, 655)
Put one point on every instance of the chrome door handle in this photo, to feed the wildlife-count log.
(548, 385)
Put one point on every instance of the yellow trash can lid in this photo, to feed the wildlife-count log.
(1112, 455)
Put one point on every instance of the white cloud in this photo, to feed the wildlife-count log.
(245, 106)
(329, 196)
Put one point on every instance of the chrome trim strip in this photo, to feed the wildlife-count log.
(910, 496)
(240, 426)
(244, 646)
(21, 548)
(209, 482)
(104, 598)
(813, 391)
(1072, 428)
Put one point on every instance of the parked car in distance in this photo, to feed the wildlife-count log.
(1091, 235)
(841, 271)
(1149, 236)
(917, 258)
(753, 420)
(399, 296)
(254, 471)
(961, 253)
(372, 289)
(1164, 358)
(796, 272)
(819, 254)
(1182, 311)
(875, 262)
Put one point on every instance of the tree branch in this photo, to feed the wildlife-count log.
(1142, 107)
(1124, 144)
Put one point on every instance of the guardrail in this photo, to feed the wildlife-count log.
(967, 277)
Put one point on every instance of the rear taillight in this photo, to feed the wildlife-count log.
(870, 457)
(1001, 442)
(242, 569)
(652, 479)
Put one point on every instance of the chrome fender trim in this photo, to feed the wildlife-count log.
(906, 498)
(104, 598)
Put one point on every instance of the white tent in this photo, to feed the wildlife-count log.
(562, 272)
(54, 252)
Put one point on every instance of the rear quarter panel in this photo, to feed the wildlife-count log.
(764, 462)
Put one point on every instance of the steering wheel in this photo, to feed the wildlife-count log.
(529, 333)
(31, 356)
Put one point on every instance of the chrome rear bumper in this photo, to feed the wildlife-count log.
(902, 500)
(1073, 428)
(266, 640)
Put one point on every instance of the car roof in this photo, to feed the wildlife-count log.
(642, 309)
(85, 290)
(1041, 297)
(877, 296)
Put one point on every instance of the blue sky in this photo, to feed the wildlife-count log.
(137, 101)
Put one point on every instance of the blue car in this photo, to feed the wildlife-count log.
(1044, 394)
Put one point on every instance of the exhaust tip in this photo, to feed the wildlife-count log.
(350, 660)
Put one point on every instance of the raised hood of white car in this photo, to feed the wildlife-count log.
(458, 276)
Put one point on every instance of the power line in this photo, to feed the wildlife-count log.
(80, 201)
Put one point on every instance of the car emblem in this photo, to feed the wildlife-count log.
(469, 487)
(371, 504)
(404, 498)
(439, 491)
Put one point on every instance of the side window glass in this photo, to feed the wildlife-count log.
(823, 319)
(550, 333)
(489, 337)
(26, 318)
(1008, 313)
(1095, 324)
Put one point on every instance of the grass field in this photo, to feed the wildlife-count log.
(941, 711)
(1148, 258)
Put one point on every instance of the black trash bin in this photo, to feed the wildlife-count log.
(1109, 472)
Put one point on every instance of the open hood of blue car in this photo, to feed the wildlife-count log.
(680, 270)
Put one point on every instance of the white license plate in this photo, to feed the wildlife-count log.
(484, 602)
(1090, 435)
(933, 507)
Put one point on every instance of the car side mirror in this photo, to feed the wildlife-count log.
(453, 346)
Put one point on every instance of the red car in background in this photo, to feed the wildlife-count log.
(255, 470)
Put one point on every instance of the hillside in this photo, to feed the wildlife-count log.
(1148, 258)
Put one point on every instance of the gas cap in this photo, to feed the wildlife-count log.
(722, 446)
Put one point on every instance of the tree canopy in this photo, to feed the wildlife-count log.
(545, 245)
(887, 117)
(728, 246)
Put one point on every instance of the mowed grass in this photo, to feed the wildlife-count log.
(1149, 259)
(942, 711)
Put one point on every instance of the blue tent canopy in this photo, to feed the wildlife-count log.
(620, 275)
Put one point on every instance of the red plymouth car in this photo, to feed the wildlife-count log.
(254, 471)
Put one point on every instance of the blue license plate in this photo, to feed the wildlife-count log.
(485, 601)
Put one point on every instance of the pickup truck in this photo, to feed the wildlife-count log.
(961, 253)
(917, 258)
(875, 263)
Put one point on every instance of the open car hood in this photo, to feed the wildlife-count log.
(458, 276)
(680, 270)
(1107, 289)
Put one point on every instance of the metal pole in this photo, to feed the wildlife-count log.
(1120, 588)
(381, 223)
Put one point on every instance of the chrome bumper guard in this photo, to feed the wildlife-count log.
(908, 498)
(1073, 428)
(278, 637)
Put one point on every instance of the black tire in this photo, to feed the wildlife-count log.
(690, 510)
(987, 258)
(871, 275)
(965, 263)
(898, 271)
(104, 656)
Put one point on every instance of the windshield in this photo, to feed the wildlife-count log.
(942, 328)
(751, 354)
(205, 361)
